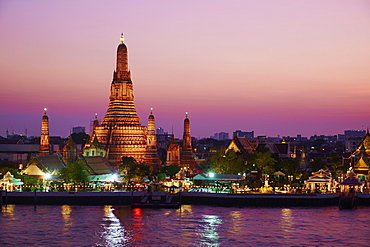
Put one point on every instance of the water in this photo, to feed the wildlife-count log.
(193, 225)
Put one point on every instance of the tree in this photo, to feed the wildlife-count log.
(75, 173)
(134, 170)
(265, 162)
(224, 163)
(317, 164)
(289, 167)
(170, 170)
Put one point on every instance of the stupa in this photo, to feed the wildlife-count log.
(187, 161)
(45, 137)
(121, 133)
(151, 149)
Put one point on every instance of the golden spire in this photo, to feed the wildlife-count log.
(122, 38)
(45, 109)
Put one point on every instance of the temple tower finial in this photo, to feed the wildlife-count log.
(122, 39)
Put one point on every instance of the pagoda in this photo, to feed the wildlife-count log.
(173, 153)
(187, 161)
(45, 137)
(121, 133)
(152, 153)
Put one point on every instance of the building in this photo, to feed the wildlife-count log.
(221, 136)
(173, 153)
(239, 133)
(240, 145)
(78, 129)
(121, 133)
(45, 137)
(187, 161)
(152, 157)
(361, 160)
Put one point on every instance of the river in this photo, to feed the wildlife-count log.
(192, 225)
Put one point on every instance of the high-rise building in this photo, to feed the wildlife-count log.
(121, 133)
(78, 129)
(221, 136)
(45, 137)
(239, 133)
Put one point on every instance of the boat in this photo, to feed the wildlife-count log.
(157, 200)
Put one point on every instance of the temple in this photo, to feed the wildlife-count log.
(121, 133)
(187, 161)
(45, 137)
(151, 149)
(361, 158)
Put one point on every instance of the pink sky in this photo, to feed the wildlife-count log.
(275, 67)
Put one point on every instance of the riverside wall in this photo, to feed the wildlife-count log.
(200, 198)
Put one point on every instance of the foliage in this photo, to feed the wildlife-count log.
(339, 168)
(161, 176)
(74, 173)
(317, 164)
(29, 180)
(289, 167)
(170, 170)
(13, 171)
(134, 170)
(265, 162)
(224, 163)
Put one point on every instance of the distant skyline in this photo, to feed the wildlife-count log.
(272, 67)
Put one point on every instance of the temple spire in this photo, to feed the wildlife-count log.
(45, 137)
(152, 153)
(122, 39)
(120, 132)
(187, 161)
(122, 58)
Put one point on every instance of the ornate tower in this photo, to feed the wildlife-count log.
(121, 132)
(187, 161)
(173, 153)
(45, 138)
(152, 153)
(70, 151)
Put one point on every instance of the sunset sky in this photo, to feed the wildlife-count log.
(275, 67)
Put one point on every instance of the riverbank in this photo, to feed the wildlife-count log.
(201, 198)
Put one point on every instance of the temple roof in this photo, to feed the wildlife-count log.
(365, 144)
(48, 163)
(321, 176)
(351, 179)
(97, 165)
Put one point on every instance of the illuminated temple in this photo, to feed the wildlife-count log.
(121, 133)
(362, 158)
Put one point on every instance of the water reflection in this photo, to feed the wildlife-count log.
(286, 222)
(236, 220)
(194, 225)
(114, 233)
(66, 214)
(209, 226)
(8, 211)
(185, 209)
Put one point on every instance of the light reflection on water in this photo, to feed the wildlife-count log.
(21, 225)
